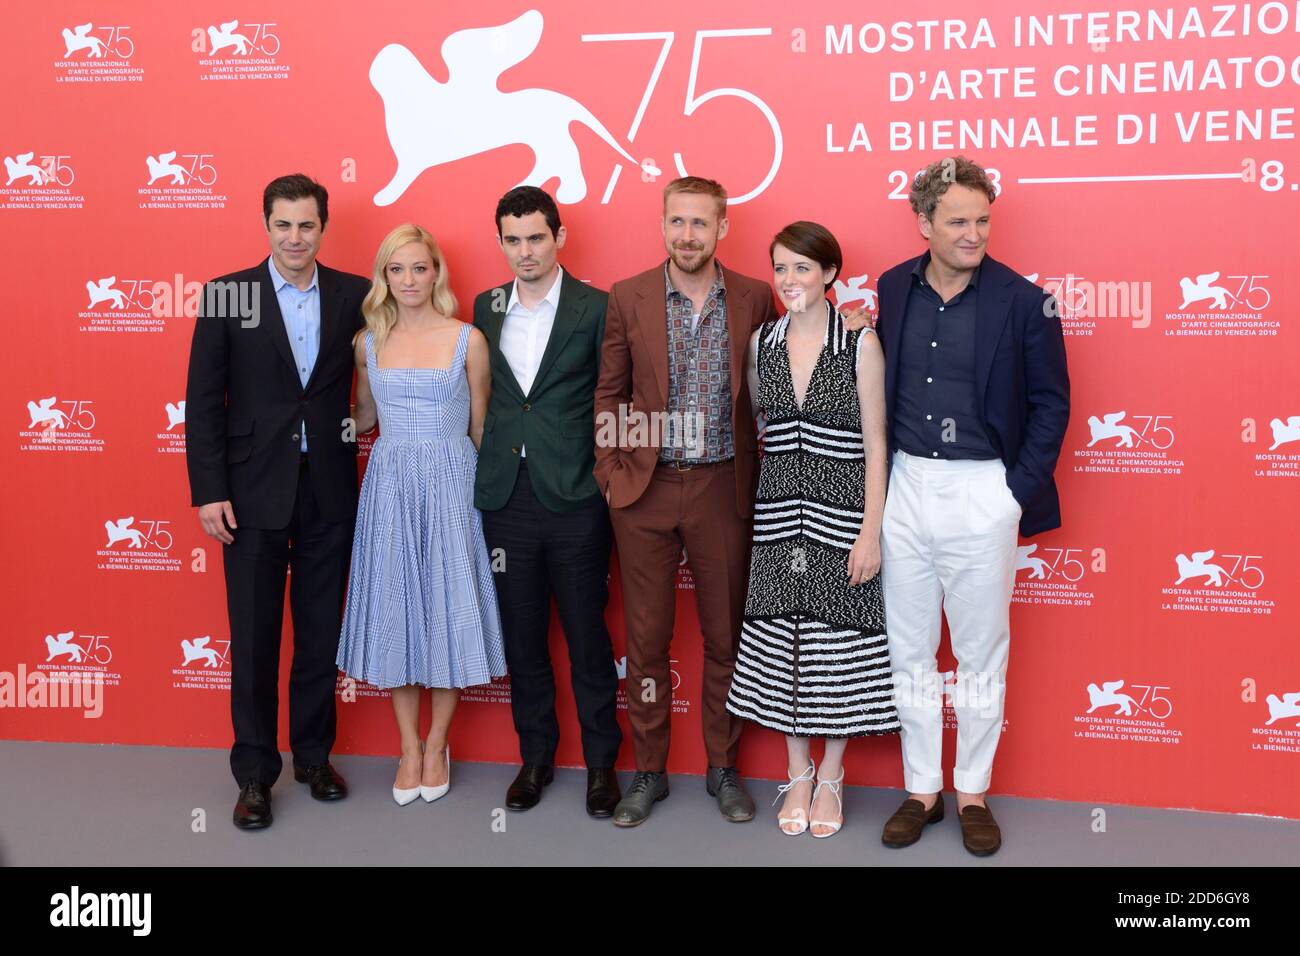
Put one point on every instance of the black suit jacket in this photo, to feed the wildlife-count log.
(1022, 385)
(244, 402)
(555, 419)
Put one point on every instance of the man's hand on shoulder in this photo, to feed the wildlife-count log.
(859, 318)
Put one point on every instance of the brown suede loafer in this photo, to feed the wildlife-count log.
(905, 826)
(979, 831)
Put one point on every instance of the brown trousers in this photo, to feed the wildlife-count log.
(695, 509)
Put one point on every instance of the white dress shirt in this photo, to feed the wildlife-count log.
(525, 333)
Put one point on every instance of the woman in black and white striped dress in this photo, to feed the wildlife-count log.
(813, 659)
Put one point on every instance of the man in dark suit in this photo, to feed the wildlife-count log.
(544, 519)
(677, 459)
(272, 467)
(977, 396)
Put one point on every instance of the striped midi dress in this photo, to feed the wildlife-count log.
(813, 659)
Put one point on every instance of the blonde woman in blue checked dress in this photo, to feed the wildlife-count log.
(421, 606)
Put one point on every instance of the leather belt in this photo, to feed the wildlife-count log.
(684, 465)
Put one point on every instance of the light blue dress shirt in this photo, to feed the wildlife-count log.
(301, 311)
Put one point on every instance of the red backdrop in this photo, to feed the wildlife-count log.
(1166, 236)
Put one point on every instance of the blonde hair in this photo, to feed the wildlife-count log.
(379, 307)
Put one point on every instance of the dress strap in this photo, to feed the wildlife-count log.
(774, 330)
(462, 343)
(370, 348)
(837, 335)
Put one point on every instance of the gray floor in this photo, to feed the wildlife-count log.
(90, 805)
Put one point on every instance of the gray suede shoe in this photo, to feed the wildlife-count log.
(647, 789)
(724, 783)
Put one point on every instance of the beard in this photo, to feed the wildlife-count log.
(678, 257)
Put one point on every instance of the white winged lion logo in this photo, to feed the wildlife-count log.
(431, 123)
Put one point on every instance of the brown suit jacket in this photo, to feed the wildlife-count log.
(634, 377)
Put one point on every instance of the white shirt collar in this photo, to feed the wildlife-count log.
(553, 296)
(278, 281)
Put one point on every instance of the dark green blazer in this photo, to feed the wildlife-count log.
(556, 418)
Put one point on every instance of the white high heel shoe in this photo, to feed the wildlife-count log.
(834, 787)
(431, 794)
(403, 797)
(802, 819)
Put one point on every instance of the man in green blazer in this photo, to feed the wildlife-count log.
(544, 518)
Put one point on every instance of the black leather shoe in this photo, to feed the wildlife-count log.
(603, 793)
(526, 791)
(724, 783)
(253, 809)
(647, 789)
(326, 784)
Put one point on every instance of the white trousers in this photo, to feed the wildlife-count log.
(948, 541)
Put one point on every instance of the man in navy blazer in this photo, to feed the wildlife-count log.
(977, 396)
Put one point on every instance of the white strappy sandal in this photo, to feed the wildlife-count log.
(802, 819)
(834, 787)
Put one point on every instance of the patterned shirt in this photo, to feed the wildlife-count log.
(698, 427)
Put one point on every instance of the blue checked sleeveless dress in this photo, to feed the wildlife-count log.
(421, 603)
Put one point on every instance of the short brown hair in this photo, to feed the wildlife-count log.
(700, 186)
(293, 187)
(813, 241)
(933, 181)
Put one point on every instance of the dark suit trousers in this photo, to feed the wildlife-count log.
(695, 509)
(565, 553)
(318, 551)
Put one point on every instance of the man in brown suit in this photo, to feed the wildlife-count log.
(677, 459)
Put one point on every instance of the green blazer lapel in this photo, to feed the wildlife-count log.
(572, 307)
(502, 374)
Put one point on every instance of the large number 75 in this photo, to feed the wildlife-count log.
(693, 101)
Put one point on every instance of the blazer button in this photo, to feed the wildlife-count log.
(296, 436)
(514, 451)
(527, 407)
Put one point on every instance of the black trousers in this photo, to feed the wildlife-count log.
(565, 554)
(256, 564)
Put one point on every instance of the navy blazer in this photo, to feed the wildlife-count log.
(1021, 381)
